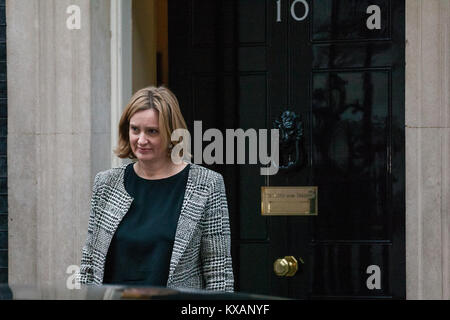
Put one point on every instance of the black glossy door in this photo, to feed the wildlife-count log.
(240, 64)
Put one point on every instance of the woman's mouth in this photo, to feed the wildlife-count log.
(144, 149)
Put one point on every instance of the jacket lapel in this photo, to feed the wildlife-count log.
(119, 204)
(187, 222)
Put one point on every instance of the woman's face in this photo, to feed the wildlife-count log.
(145, 137)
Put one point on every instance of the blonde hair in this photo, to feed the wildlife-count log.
(170, 117)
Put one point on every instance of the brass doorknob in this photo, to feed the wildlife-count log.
(285, 267)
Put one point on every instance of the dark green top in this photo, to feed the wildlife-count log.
(141, 247)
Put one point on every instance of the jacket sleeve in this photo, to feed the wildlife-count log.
(216, 240)
(86, 275)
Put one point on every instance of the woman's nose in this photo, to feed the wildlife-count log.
(142, 140)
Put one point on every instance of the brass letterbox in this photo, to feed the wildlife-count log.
(289, 201)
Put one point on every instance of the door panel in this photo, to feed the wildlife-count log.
(234, 64)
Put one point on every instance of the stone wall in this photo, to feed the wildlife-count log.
(58, 134)
(427, 149)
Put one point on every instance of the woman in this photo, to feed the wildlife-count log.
(155, 222)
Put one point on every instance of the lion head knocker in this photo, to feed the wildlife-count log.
(291, 131)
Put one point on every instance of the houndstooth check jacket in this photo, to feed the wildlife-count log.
(201, 253)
